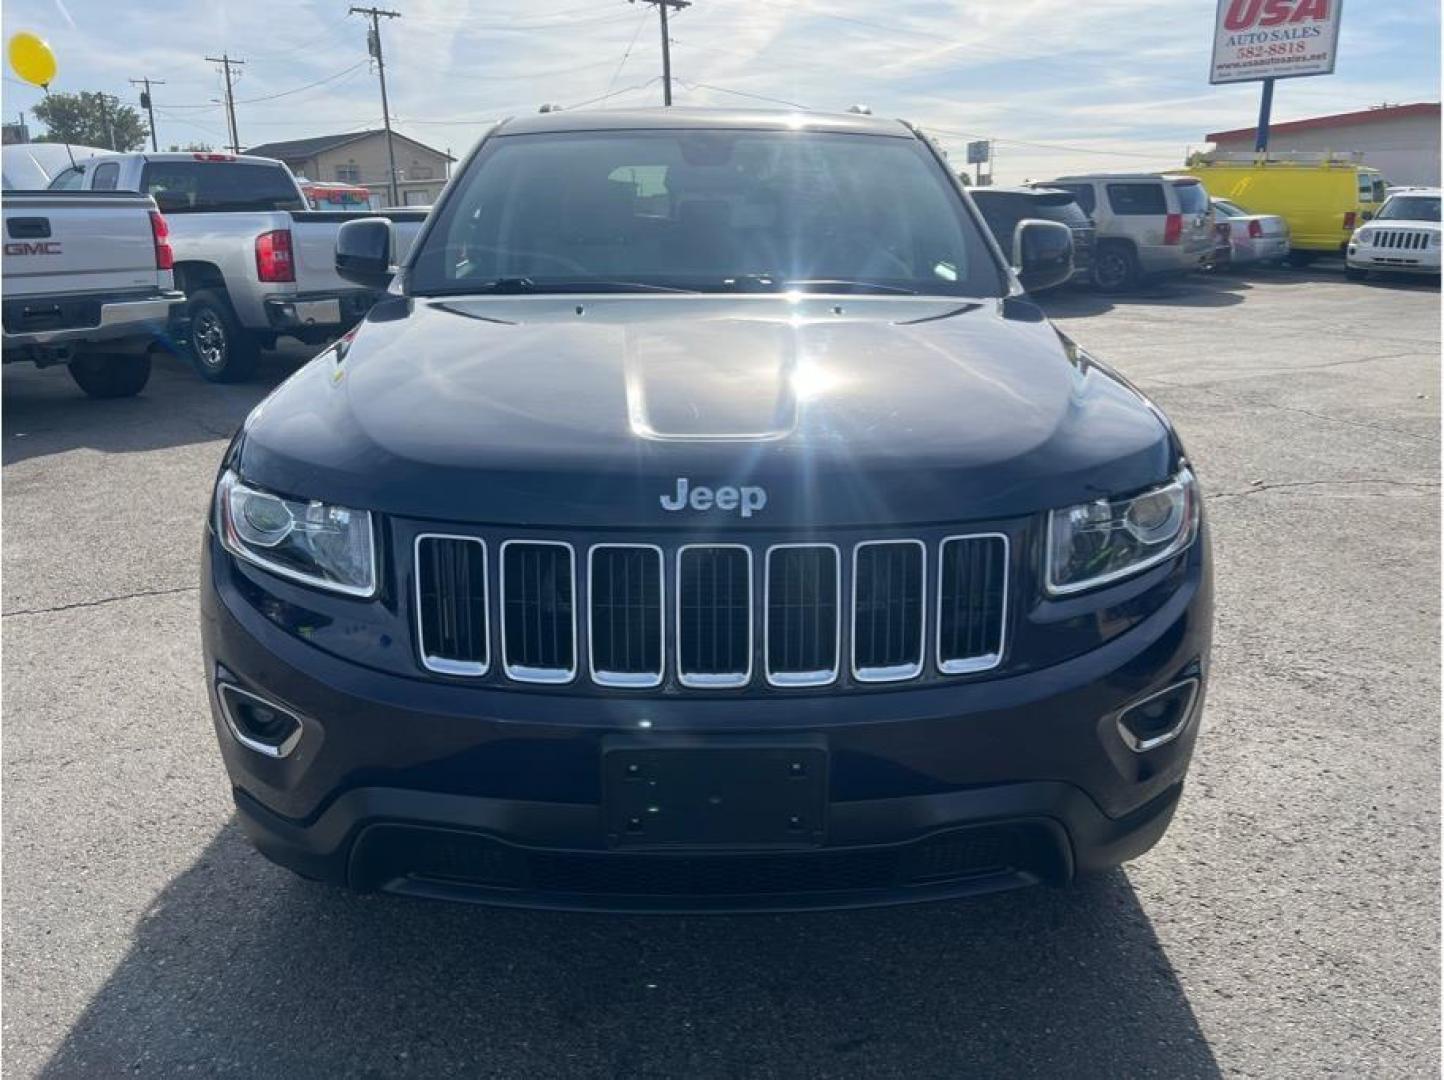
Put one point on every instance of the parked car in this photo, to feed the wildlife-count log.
(761, 547)
(1403, 238)
(254, 262)
(1005, 208)
(87, 283)
(1253, 239)
(1322, 197)
(336, 196)
(1148, 225)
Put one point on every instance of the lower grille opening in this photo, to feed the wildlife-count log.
(625, 590)
(394, 855)
(888, 610)
(714, 615)
(538, 611)
(802, 614)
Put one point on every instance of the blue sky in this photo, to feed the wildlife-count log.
(1062, 84)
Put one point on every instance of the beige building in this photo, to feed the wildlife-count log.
(1401, 141)
(360, 158)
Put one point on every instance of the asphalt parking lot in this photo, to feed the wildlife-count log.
(1286, 927)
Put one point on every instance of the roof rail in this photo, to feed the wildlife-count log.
(1280, 157)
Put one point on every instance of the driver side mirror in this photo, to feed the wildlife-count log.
(363, 252)
(1368, 215)
(1042, 253)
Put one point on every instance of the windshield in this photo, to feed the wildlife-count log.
(1192, 199)
(1228, 209)
(188, 187)
(1410, 208)
(717, 210)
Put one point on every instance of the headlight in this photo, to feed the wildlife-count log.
(1094, 543)
(1365, 236)
(330, 547)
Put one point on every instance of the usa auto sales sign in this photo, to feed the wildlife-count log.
(1274, 39)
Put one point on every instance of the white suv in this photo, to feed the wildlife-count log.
(1403, 238)
(1149, 224)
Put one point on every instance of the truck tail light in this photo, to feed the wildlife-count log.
(214, 157)
(1255, 229)
(160, 236)
(1173, 230)
(273, 256)
(1350, 220)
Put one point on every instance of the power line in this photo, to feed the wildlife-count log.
(630, 46)
(225, 61)
(743, 93)
(662, 6)
(308, 86)
(373, 46)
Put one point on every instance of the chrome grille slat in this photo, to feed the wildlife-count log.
(889, 581)
(538, 611)
(714, 615)
(627, 624)
(803, 614)
(452, 627)
(972, 602)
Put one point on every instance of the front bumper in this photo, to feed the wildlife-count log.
(1424, 261)
(428, 788)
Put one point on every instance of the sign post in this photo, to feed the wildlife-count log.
(1267, 40)
(979, 152)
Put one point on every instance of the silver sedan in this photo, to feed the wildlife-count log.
(1253, 238)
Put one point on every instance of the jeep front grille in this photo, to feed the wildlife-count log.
(639, 616)
(888, 583)
(714, 615)
(627, 624)
(539, 630)
(803, 582)
(451, 604)
(1401, 239)
(972, 602)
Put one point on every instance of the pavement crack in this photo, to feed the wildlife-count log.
(100, 602)
(1286, 484)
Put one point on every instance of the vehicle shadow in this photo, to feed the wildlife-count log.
(1211, 290)
(239, 969)
(44, 412)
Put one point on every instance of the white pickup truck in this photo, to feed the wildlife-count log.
(87, 282)
(254, 263)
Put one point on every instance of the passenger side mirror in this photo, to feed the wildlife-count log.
(363, 252)
(1042, 253)
(1368, 215)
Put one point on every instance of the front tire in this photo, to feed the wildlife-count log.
(117, 376)
(221, 349)
(1115, 268)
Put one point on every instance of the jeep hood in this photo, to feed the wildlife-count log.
(584, 411)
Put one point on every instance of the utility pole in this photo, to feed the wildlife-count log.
(105, 119)
(373, 46)
(225, 61)
(662, 6)
(146, 104)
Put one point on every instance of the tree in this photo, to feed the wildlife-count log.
(91, 119)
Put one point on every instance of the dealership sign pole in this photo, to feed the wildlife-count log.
(1267, 40)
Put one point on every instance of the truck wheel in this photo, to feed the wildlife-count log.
(1115, 268)
(118, 376)
(221, 349)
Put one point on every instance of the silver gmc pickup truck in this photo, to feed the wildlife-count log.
(254, 263)
(88, 283)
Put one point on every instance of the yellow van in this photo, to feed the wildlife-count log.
(1324, 197)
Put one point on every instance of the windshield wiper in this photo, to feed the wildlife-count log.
(773, 283)
(518, 285)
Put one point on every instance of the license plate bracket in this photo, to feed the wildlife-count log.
(715, 794)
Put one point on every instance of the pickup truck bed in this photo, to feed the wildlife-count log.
(87, 282)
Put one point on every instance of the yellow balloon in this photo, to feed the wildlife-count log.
(32, 59)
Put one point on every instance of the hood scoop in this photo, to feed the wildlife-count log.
(729, 380)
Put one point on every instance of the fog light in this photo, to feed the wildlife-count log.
(1159, 718)
(258, 724)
